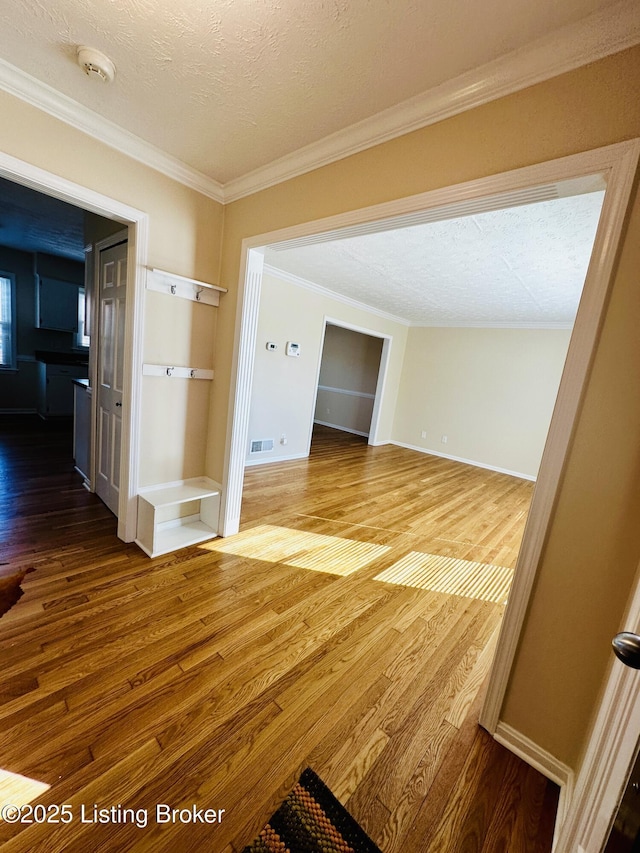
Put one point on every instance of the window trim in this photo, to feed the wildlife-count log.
(13, 362)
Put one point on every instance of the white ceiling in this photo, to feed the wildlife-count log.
(522, 266)
(228, 86)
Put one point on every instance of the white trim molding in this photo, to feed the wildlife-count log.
(342, 428)
(244, 351)
(473, 462)
(610, 753)
(54, 103)
(544, 763)
(253, 463)
(348, 393)
(601, 34)
(619, 164)
(605, 32)
(305, 283)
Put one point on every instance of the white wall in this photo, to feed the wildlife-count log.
(284, 388)
(490, 391)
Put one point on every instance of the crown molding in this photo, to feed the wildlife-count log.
(477, 324)
(299, 281)
(324, 291)
(599, 35)
(54, 103)
(292, 278)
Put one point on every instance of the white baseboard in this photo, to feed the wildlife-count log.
(269, 460)
(542, 761)
(466, 461)
(342, 428)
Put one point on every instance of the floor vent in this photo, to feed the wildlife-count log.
(261, 444)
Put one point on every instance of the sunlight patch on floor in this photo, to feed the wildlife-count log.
(450, 575)
(313, 551)
(17, 790)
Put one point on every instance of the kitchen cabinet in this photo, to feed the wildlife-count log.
(55, 388)
(57, 305)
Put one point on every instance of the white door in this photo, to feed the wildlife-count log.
(111, 308)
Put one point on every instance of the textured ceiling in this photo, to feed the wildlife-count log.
(523, 266)
(231, 85)
(34, 222)
(519, 266)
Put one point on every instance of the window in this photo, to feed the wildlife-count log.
(82, 340)
(7, 322)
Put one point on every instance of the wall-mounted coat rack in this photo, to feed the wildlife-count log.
(186, 288)
(176, 372)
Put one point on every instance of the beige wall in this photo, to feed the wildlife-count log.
(350, 359)
(185, 230)
(351, 363)
(592, 553)
(490, 391)
(284, 388)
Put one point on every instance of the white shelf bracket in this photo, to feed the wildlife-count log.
(186, 288)
(176, 372)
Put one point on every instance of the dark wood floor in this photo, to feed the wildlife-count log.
(215, 675)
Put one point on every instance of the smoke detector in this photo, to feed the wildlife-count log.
(96, 64)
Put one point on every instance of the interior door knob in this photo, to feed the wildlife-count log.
(627, 648)
(118, 405)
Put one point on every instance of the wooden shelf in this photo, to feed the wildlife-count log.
(158, 536)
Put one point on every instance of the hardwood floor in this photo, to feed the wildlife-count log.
(213, 676)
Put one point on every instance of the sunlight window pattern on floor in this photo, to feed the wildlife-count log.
(481, 581)
(313, 551)
(19, 790)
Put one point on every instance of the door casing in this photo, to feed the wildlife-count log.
(618, 163)
(14, 169)
(387, 341)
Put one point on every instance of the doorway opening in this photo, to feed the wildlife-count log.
(615, 166)
(116, 216)
(351, 379)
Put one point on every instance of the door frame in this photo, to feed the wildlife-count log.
(618, 162)
(137, 222)
(610, 754)
(380, 382)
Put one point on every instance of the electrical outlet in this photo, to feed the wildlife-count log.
(444, 439)
(283, 439)
(423, 434)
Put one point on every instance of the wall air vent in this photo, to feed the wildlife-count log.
(261, 445)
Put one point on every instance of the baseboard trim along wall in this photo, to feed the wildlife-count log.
(341, 428)
(466, 461)
(269, 458)
(542, 761)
